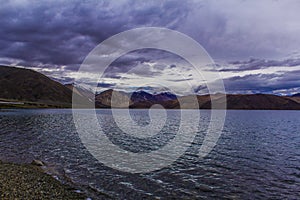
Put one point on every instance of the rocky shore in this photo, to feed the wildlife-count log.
(29, 181)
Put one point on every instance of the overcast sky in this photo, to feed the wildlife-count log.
(255, 44)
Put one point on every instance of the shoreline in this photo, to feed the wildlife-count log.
(29, 181)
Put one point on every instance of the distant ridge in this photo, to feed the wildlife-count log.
(27, 88)
(296, 95)
(143, 99)
(260, 102)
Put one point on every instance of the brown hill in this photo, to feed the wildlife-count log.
(121, 99)
(243, 101)
(296, 98)
(261, 102)
(26, 85)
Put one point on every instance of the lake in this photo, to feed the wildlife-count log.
(256, 157)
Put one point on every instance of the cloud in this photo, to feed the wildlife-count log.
(254, 64)
(106, 85)
(263, 83)
(181, 80)
(143, 63)
(241, 29)
(62, 33)
(54, 37)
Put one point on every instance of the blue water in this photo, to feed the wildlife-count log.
(256, 157)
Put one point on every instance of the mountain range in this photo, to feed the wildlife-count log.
(143, 99)
(25, 88)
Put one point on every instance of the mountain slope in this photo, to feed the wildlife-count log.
(82, 92)
(260, 102)
(30, 86)
(121, 99)
(296, 99)
(296, 95)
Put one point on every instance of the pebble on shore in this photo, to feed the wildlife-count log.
(30, 182)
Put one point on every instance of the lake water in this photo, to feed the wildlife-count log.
(256, 157)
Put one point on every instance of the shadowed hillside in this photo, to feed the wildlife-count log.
(18, 84)
(259, 102)
(296, 95)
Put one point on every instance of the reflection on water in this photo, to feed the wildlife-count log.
(257, 156)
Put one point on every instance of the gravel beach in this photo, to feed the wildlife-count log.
(27, 181)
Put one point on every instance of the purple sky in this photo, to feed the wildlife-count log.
(254, 43)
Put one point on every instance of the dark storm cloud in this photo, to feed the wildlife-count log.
(128, 63)
(58, 35)
(106, 85)
(115, 77)
(239, 29)
(254, 64)
(264, 83)
(62, 33)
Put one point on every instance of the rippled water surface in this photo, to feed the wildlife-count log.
(256, 157)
